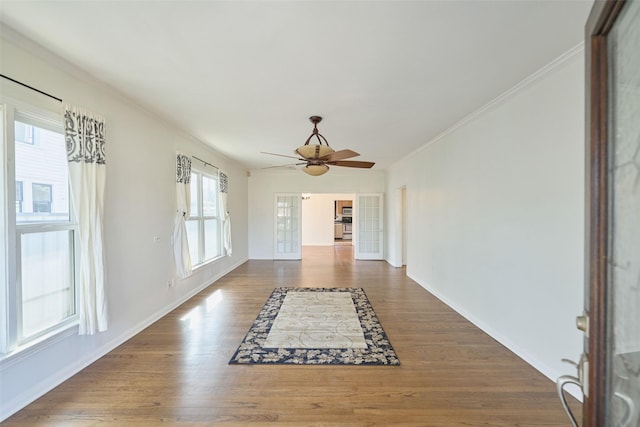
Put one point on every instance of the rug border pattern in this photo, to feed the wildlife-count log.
(378, 352)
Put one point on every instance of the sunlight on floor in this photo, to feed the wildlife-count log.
(194, 316)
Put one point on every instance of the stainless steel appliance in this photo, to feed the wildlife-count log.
(347, 230)
(347, 211)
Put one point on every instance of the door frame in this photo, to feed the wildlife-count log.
(601, 20)
(399, 255)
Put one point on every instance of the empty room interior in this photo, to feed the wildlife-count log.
(158, 194)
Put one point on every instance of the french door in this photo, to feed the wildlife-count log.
(288, 226)
(609, 370)
(369, 242)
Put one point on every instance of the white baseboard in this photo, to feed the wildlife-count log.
(394, 264)
(13, 404)
(543, 368)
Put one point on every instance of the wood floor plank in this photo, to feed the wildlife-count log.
(176, 373)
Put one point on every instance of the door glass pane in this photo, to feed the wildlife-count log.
(47, 280)
(623, 391)
(369, 224)
(41, 170)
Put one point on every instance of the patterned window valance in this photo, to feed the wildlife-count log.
(183, 169)
(84, 136)
(224, 183)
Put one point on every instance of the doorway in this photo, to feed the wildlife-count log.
(343, 225)
(317, 223)
(323, 221)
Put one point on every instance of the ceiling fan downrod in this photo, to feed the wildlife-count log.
(321, 139)
(315, 150)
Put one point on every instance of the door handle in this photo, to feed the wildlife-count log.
(581, 381)
(561, 383)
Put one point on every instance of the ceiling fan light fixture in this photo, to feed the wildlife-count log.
(314, 151)
(316, 170)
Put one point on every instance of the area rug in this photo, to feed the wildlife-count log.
(316, 326)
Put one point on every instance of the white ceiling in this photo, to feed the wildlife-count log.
(244, 76)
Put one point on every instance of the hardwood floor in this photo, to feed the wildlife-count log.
(176, 373)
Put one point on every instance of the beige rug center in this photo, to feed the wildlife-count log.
(316, 320)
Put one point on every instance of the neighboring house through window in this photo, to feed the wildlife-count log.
(41, 195)
(19, 196)
(25, 133)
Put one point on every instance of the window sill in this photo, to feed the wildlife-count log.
(29, 349)
(207, 263)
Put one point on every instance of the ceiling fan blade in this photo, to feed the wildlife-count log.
(352, 164)
(339, 155)
(290, 165)
(281, 155)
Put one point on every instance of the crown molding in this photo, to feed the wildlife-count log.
(500, 99)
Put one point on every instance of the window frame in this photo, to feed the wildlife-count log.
(197, 177)
(34, 111)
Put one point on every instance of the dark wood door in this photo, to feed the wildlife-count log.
(612, 291)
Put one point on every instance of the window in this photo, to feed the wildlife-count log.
(203, 224)
(25, 133)
(39, 255)
(41, 195)
(19, 196)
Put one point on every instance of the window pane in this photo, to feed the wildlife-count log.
(211, 239)
(209, 196)
(195, 183)
(193, 236)
(203, 231)
(47, 280)
(41, 167)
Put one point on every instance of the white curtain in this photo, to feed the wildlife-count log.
(183, 198)
(84, 137)
(224, 213)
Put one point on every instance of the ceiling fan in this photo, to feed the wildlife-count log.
(318, 157)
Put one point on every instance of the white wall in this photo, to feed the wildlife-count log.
(139, 204)
(495, 212)
(264, 184)
(318, 218)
